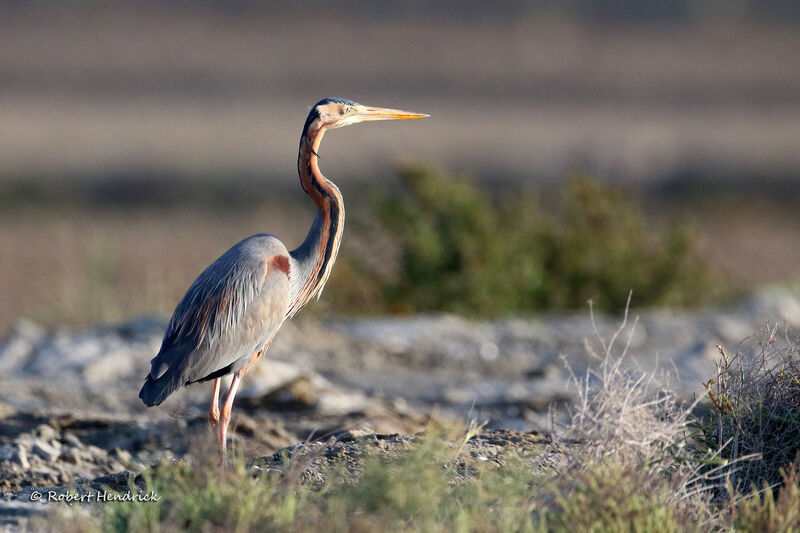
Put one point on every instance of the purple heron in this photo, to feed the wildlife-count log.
(230, 314)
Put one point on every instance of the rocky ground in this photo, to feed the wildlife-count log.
(69, 409)
(306, 463)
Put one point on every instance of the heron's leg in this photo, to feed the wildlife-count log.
(213, 414)
(225, 414)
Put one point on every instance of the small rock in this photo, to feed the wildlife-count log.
(732, 329)
(335, 451)
(84, 455)
(43, 431)
(25, 440)
(359, 433)
(20, 345)
(116, 481)
(71, 456)
(335, 402)
(400, 405)
(71, 439)
(458, 395)
(45, 450)
(96, 453)
(21, 458)
(47, 477)
(122, 455)
(489, 351)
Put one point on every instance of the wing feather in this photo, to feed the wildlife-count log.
(233, 307)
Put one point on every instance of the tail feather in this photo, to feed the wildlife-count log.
(154, 391)
(178, 372)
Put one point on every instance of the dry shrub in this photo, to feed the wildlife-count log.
(738, 469)
(620, 413)
(633, 429)
(756, 408)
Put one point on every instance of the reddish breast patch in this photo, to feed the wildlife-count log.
(281, 262)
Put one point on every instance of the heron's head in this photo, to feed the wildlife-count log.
(337, 112)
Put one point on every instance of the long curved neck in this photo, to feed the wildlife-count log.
(312, 261)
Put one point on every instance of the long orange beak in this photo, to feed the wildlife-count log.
(380, 113)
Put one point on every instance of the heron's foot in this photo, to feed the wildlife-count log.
(224, 461)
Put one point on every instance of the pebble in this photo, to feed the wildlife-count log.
(71, 439)
(71, 456)
(21, 457)
(124, 456)
(43, 431)
(46, 451)
(489, 351)
(96, 452)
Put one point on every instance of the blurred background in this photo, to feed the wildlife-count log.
(577, 149)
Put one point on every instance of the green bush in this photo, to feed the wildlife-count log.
(459, 251)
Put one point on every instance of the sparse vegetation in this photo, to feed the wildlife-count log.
(614, 497)
(461, 252)
(428, 488)
(756, 411)
(640, 465)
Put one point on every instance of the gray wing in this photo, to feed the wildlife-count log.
(230, 311)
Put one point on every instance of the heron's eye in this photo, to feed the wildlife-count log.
(349, 110)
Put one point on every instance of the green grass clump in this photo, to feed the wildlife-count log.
(200, 498)
(459, 251)
(425, 489)
(766, 513)
(613, 496)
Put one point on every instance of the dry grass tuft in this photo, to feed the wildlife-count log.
(624, 419)
(756, 408)
(619, 411)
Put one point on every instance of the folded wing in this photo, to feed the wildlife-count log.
(230, 311)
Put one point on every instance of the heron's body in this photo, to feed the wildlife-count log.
(232, 311)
